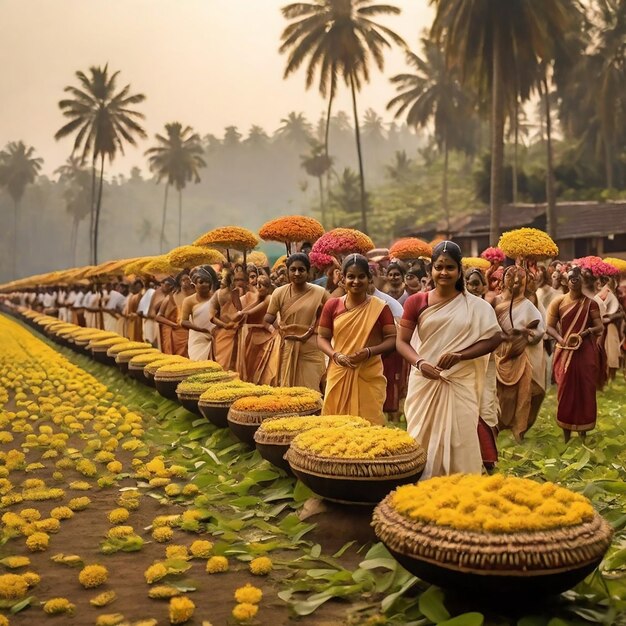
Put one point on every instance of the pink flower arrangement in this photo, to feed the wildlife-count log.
(493, 255)
(342, 241)
(596, 266)
(320, 260)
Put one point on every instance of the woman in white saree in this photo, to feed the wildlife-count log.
(447, 335)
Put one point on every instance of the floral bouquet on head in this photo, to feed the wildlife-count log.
(619, 264)
(186, 257)
(523, 244)
(596, 266)
(340, 242)
(410, 248)
(229, 237)
(474, 262)
(495, 256)
(291, 229)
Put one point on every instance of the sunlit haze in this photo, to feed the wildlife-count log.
(206, 63)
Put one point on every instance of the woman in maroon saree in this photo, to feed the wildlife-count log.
(574, 321)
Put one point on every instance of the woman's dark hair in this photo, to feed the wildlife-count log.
(453, 250)
(208, 273)
(396, 266)
(299, 256)
(475, 270)
(360, 261)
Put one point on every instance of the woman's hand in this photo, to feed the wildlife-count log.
(430, 371)
(359, 356)
(343, 360)
(448, 360)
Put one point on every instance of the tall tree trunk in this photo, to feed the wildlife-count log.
(326, 138)
(74, 239)
(98, 207)
(444, 185)
(16, 211)
(550, 191)
(162, 239)
(497, 145)
(92, 211)
(357, 134)
(180, 214)
(515, 146)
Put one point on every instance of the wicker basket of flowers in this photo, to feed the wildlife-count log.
(80, 339)
(190, 389)
(167, 378)
(355, 465)
(216, 401)
(247, 413)
(138, 362)
(493, 534)
(123, 358)
(151, 368)
(99, 347)
(275, 434)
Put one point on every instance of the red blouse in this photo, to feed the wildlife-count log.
(413, 308)
(336, 306)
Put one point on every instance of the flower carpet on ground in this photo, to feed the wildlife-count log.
(120, 507)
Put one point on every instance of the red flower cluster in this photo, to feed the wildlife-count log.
(493, 255)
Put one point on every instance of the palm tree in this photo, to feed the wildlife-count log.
(257, 137)
(339, 38)
(103, 122)
(433, 92)
(346, 195)
(18, 168)
(76, 194)
(400, 169)
(373, 127)
(498, 46)
(316, 164)
(177, 158)
(295, 129)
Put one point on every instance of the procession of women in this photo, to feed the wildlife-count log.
(460, 348)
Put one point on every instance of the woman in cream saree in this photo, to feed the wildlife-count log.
(447, 336)
(361, 329)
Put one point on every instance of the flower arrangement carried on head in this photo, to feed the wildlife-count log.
(159, 265)
(410, 248)
(280, 261)
(258, 259)
(137, 266)
(620, 264)
(320, 260)
(229, 237)
(474, 262)
(528, 243)
(341, 241)
(495, 256)
(596, 266)
(186, 257)
(291, 229)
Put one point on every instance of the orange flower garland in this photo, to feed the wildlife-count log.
(234, 237)
(291, 229)
(410, 248)
(190, 256)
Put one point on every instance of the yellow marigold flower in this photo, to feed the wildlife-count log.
(79, 504)
(92, 576)
(245, 611)
(30, 515)
(190, 489)
(55, 606)
(217, 565)
(109, 619)
(13, 498)
(162, 534)
(61, 512)
(163, 591)
(115, 467)
(261, 566)
(155, 572)
(191, 515)
(117, 516)
(248, 594)
(102, 599)
(117, 532)
(181, 609)
(32, 579)
(48, 525)
(80, 485)
(38, 542)
(86, 468)
(172, 490)
(5, 437)
(201, 549)
(165, 520)
(12, 586)
(177, 552)
(33, 483)
(159, 482)
(13, 562)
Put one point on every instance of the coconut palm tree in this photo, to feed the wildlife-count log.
(433, 92)
(498, 46)
(295, 129)
(399, 169)
(339, 38)
(103, 120)
(316, 164)
(177, 157)
(18, 167)
(77, 195)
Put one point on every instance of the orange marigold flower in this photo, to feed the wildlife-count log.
(190, 256)
(410, 248)
(229, 237)
(291, 229)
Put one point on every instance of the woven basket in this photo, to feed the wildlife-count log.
(355, 481)
(244, 424)
(525, 564)
(166, 384)
(122, 360)
(190, 399)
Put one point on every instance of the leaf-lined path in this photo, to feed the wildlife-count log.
(247, 508)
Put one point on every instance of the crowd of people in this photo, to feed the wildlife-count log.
(462, 351)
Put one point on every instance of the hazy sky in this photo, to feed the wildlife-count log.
(206, 63)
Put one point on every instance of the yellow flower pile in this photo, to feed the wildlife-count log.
(299, 424)
(234, 237)
(217, 565)
(492, 504)
(12, 586)
(249, 594)
(475, 262)
(153, 366)
(141, 360)
(115, 349)
(620, 264)
(245, 611)
(105, 344)
(186, 257)
(189, 367)
(181, 610)
(228, 392)
(201, 549)
(261, 566)
(55, 606)
(126, 355)
(92, 576)
(280, 400)
(348, 442)
(527, 242)
(199, 383)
